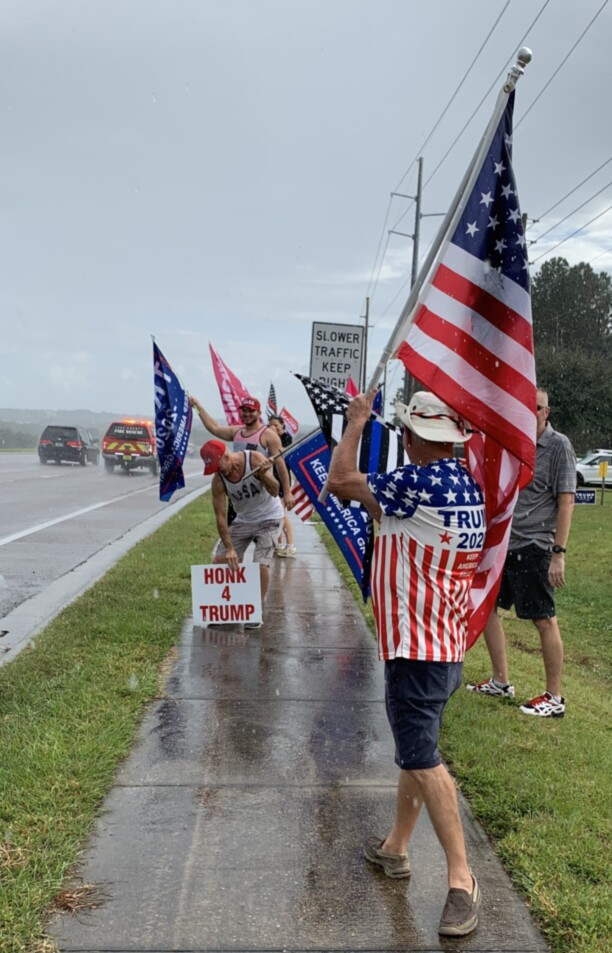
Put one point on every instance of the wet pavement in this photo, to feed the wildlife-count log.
(238, 820)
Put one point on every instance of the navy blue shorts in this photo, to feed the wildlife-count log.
(415, 696)
(525, 584)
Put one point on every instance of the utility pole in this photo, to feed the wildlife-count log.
(416, 235)
(362, 382)
(415, 260)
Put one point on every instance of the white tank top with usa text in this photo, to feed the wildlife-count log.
(250, 499)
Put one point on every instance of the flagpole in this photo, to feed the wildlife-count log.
(281, 453)
(523, 57)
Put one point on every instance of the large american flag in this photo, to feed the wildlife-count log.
(471, 343)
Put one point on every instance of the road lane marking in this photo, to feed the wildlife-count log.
(69, 516)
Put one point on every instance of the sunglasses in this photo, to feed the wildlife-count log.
(540, 407)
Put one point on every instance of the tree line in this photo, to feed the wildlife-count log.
(572, 330)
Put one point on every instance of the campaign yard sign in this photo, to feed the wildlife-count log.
(220, 594)
(585, 496)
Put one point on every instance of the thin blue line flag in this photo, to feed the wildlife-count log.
(172, 425)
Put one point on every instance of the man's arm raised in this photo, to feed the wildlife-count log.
(217, 430)
(344, 479)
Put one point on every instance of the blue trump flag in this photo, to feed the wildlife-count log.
(172, 425)
(349, 525)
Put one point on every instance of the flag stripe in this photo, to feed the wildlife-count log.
(303, 507)
(471, 267)
(424, 367)
(496, 313)
(479, 356)
(462, 314)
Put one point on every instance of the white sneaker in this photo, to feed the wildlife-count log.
(490, 688)
(544, 706)
(290, 551)
(279, 550)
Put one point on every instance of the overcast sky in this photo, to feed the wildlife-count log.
(220, 171)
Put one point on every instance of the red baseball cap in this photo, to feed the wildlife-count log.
(251, 403)
(212, 452)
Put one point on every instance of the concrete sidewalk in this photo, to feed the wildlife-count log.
(237, 822)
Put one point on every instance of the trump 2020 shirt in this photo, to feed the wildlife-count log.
(431, 535)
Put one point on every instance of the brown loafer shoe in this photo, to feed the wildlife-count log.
(460, 914)
(394, 865)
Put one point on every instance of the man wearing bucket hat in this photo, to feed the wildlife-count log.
(245, 478)
(250, 435)
(432, 522)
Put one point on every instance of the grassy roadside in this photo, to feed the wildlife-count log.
(541, 788)
(69, 709)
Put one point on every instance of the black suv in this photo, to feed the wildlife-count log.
(73, 444)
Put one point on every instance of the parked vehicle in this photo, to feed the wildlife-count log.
(72, 444)
(587, 469)
(130, 444)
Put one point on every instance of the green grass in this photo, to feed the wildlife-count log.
(541, 788)
(70, 707)
(69, 710)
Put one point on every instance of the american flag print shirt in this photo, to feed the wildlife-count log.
(431, 534)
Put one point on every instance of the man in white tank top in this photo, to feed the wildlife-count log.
(254, 496)
(251, 435)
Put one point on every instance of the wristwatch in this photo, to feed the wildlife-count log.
(558, 549)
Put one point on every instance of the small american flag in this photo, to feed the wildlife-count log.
(471, 343)
(271, 405)
(303, 508)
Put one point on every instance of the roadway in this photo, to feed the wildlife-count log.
(57, 520)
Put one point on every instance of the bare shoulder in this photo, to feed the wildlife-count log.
(270, 438)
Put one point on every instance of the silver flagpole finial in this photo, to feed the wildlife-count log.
(523, 57)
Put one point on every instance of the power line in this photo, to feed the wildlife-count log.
(573, 212)
(493, 84)
(563, 61)
(575, 189)
(451, 100)
(607, 251)
(436, 124)
(567, 238)
(380, 241)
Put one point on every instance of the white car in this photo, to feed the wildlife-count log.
(587, 469)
